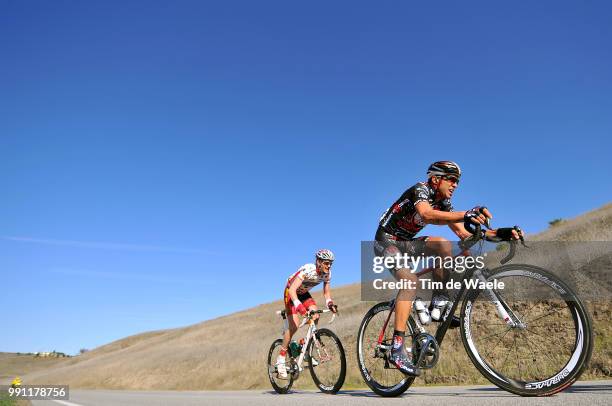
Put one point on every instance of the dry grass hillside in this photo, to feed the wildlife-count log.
(14, 364)
(203, 356)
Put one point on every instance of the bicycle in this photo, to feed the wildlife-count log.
(326, 359)
(550, 348)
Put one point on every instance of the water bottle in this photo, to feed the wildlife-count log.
(422, 311)
(294, 349)
(439, 304)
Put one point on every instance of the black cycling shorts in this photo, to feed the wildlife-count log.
(386, 244)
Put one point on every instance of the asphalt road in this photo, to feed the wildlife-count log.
(584, 393)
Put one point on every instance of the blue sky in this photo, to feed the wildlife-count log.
(166, 163)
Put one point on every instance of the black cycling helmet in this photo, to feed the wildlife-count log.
(444, 168)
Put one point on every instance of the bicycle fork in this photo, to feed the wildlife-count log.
(503, 310)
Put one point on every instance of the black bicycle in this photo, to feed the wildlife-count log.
(533, 338)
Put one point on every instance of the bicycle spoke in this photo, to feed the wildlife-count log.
(500, 339)
(537, 364)
(541, 349)
(528, 310)
(493, 335)
(548, 338)
(508, 354)
(545, 326)
(546, 315)
(518, 358)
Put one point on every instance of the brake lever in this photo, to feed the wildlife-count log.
(487, 223)
(521, 237)
(332, 318)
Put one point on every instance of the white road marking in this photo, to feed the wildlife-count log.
(63, 402)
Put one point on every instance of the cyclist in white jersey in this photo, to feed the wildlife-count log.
(298, 299)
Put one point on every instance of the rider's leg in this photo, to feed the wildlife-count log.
(293, 321)
(313, 306)
(404, 299)
(399, 356)
(387, 247)
(441, 248)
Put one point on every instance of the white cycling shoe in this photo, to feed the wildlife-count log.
(281, 368)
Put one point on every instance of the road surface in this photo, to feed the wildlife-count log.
(585, 393)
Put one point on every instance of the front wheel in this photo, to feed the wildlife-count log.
(548, 347)
(327, 361)
(280, 385)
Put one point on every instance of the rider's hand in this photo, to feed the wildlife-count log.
(331, 306)
(301, 309)
(477, 215)
(508, 233)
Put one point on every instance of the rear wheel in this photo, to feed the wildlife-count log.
(327, 361)
(382, 377)
(280, 385)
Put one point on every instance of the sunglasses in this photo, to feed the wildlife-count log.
(452, 179)
(328, 263)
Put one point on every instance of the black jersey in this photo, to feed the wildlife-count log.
(402, 220)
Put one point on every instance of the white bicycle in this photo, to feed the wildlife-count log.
(323, 350)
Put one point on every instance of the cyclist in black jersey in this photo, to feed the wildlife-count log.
(422, 204)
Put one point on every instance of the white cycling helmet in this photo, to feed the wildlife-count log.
(325, 255)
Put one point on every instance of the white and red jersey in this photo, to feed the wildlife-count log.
(310, 278)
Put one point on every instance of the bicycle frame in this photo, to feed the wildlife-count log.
(502, 309)
(310, 334)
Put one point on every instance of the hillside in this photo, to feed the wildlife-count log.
(230, 352)
(14, 364)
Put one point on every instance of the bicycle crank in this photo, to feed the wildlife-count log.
(426, 351)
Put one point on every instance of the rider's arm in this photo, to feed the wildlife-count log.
(327, 292)
(438, 217)
(297, 282)
(462, 233)
(459, 230)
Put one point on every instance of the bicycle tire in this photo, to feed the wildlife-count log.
(272, 370)
(325, 387)
(377, 387)
(581, 348)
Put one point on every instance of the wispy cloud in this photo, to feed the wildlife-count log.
(104, 245)
(124, 276)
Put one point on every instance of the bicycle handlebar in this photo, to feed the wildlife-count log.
(308, 315)
(479, 234)
(312, 313)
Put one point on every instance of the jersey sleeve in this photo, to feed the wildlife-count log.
(301, 273)
(420, 193)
